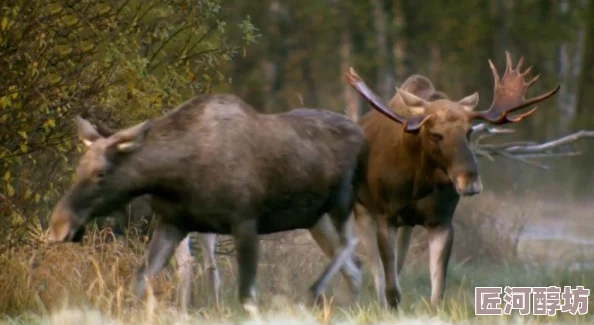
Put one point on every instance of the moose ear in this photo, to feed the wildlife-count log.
(469, 102)
(415, 104)
(132, 138)
(86, 131)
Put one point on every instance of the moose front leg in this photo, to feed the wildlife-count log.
(404, 236)
(165, 239)
(441, 239)
(245, 236)
(386, 236)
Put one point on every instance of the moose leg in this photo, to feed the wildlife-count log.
(344, 224)
(165, 239)
(437, 210)
(208, 242)
(324, 233)
(185, 260)
(385, 243)
(403, 243)
(345, 251)
(367, 230)
(441, 239)
(245, 235)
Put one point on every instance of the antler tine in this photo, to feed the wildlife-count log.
(525, 73)
(495, 73)
(520, 63)
(508, 63)
(411, 124)
(508, 94)
(532, 81)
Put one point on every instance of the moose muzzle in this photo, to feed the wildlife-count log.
(467, 185)
(62, 225)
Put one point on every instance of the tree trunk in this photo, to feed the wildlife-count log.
(585, 96)
(351, 99)
(585, 100)
(570, 65)
(384, 74)
(399, 44)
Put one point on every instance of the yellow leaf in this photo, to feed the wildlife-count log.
(4, 23)
(17, 219)
(51, 123)
(28, 193)
(23, 134)
(5, 101)
(37, 198)
(9, 190)
(7, 176)
(23, 147)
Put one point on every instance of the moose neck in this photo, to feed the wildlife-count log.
(426, 172)
(149, 171)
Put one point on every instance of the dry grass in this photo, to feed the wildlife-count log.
(74, 284)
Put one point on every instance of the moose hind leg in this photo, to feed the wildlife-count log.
(165, 239)
(324, 233)
(245, 236)
(344, 224)
(185, 260)
(208, 242)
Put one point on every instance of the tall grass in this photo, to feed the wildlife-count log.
(89, 284)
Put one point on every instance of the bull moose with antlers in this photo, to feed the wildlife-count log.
(420, 163)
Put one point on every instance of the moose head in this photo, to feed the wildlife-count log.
(443, 127)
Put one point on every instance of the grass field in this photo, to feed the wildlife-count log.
(73, 284)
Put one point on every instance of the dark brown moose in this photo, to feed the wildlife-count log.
(420, 163)
(214, 165)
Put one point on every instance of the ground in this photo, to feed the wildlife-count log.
(498, 246)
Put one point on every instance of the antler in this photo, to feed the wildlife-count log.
(411, 124)
(509, 94)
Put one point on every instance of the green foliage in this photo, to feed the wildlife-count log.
(114, 61)
(122, 61)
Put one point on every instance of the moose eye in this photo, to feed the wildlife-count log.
(100, 174)
(436, 136)
(469, 133)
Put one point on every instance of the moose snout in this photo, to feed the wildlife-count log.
(61, 227)
(468, 185)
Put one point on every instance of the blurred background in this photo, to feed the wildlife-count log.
(118, 62)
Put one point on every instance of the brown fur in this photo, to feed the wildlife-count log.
(416, 175)
(215, 165)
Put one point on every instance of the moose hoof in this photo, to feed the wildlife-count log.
(317, 297)
(393, 298)
(318, 301)
(251, 310)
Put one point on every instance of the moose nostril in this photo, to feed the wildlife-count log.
(461, 182)
(468, 186)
